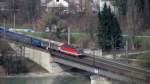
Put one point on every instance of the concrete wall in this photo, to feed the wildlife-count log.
(39, 57)
(45, 60)
(57, 68)
(99, 80)
(93, 52)
(95, 79)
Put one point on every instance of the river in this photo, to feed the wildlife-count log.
(45, 80)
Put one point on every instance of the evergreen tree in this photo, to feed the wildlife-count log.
(109, 32)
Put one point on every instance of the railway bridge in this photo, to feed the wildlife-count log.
(92, 64)
(103, 67)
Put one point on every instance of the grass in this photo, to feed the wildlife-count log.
(143, 56)
(141, 59)
(36, 34)
(77, 35)
(24, 26)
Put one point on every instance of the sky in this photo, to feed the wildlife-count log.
(43, 1)
(102, 2)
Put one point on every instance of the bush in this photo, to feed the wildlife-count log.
(138, 43)
(146, 58)
(0, 60)
(14, 65)
(146, 43)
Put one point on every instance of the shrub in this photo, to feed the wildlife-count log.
(14, 65)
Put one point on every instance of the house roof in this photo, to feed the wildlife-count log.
(59, 3)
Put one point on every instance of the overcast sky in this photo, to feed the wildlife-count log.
(43, 1)
(102, 2)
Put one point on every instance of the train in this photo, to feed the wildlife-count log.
(64, 47)
(47, 45)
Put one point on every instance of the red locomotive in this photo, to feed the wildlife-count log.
(69, 49)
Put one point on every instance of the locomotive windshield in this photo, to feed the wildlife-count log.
(80, 50)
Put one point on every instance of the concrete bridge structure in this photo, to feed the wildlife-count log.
(40, 57)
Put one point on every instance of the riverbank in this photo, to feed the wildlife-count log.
(44, 78)
(56, 78)
(31, 66)
(2, 71)
(35, 75)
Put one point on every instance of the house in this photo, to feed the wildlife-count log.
(80, 5)
(59, 4)
(69, 6)
(3, 6)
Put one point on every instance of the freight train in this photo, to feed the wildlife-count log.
(50, 44)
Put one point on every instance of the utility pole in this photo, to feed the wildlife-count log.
(68, 35)
(14, 14)
(4, 27)
(14, 26)
(126, 50)
(4, 22)
(94, 54)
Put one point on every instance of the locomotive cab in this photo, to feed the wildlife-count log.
(71, 49)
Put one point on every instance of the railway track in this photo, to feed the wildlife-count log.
(122, 68)
(119, 65)
(109, 65)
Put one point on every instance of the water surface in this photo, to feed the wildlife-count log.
(46, 80)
